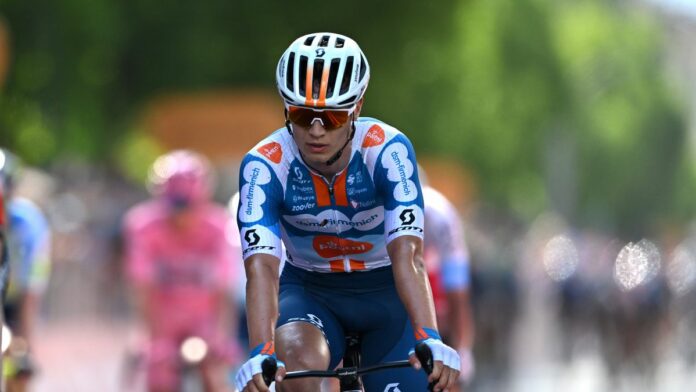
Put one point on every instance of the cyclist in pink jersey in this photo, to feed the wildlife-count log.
(180, 263)
(447, 261)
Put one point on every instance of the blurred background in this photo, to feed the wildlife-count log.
(563, 130)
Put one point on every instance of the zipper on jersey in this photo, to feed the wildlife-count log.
(330, 185)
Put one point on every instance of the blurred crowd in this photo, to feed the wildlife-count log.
(551, 303)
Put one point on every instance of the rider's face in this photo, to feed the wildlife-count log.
(318, 145)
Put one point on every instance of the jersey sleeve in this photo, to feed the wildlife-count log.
(396, 180)
(258, 213)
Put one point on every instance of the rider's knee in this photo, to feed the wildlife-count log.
(302, 347)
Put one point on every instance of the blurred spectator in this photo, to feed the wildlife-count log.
(180, 264)
(29, 241)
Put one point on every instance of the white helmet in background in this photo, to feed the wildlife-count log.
(323, 70)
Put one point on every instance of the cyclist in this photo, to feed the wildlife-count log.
(179, 263)
(28, 245)
(343, 194)
(447, 260)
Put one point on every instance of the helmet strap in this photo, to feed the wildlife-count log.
(287, 122)
(338, 153)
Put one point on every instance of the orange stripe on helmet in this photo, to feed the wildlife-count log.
(309, 95)
(324, 86)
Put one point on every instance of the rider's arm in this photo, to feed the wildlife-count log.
(406, 254)
(396, 180)
(261, 297)
(258, 218)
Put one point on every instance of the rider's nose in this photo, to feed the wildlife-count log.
(317, 130)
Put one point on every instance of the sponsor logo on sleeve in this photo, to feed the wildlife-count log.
(251, 237)
(411, 218)
(252, 195)
(273, 151)
(407, 217)
(374, 137)
(256, 237)
(399, 170)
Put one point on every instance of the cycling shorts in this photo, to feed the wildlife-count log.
(366, 303)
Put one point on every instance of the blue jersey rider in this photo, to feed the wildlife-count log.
(342, 194)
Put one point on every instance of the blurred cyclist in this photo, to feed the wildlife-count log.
(343, 194)
(28, 244)
(447, 260)
(180, 265)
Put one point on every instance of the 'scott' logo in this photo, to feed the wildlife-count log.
(393, 387)
(374, 137)
(272, 151)
(251, 237)
(407, 216)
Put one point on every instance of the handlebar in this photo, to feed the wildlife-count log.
(269, 366)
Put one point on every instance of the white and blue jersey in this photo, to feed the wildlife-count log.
(29, 248)
(337, 225)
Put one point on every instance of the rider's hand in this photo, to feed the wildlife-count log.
(446, 363)
(249, 376)
(468, 366)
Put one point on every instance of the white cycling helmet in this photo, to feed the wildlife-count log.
(323, 70)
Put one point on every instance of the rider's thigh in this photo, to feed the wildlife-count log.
(301, 345)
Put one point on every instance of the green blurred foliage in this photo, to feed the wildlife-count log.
(552, 104)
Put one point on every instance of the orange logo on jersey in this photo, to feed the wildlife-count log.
(374, 137)
(328, 246)
(272, 151)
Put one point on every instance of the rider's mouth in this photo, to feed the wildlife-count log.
(316, 147)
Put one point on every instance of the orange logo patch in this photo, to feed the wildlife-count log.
(374, 137)
(328, 246)
(272, 151)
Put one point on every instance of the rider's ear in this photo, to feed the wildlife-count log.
(287, 122)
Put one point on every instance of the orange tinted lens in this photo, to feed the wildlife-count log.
(304, 117)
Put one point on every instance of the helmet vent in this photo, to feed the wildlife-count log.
(316, 77)
(340, 42)
(345, 81)
(363, 67)
(333, 75)
(347, 101)
(303, 75)
(324, 42)
(290, 72)
(309, 40)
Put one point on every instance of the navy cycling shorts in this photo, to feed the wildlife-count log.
(359, 302)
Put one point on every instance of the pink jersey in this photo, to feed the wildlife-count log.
(186, 272)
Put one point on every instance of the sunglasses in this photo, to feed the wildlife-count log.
(330, 119)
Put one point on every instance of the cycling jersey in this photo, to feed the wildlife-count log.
(184, 269)
(445, 253)
(337, 225)
(28, 247)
